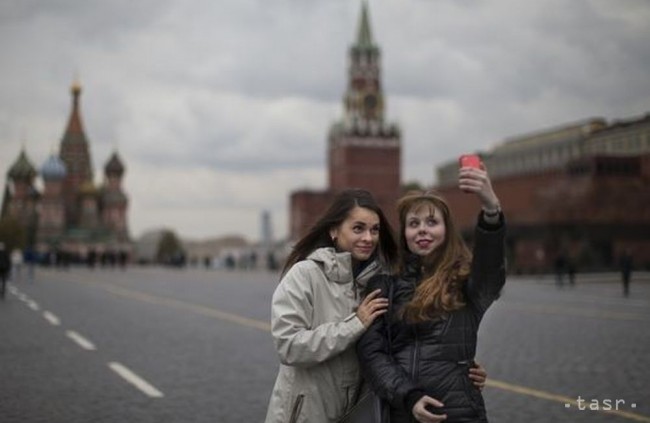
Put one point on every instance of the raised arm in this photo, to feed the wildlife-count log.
(488, 273)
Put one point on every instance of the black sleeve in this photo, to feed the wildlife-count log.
(385, 377)
(488, 274)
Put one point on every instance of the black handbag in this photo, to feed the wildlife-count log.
(370, 408)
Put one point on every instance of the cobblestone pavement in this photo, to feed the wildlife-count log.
(201, 340)
(569, 353)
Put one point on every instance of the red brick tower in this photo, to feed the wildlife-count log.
(363, 150)
(75, 153)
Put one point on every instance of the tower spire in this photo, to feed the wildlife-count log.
(75, 153)
(74, 131)
(74, 144)
(364, 36)
(363, 100)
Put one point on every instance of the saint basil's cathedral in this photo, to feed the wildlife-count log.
(70, 213)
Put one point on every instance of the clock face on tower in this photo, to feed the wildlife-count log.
(370, 105)
(370, 102)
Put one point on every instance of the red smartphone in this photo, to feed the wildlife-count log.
(470, 160)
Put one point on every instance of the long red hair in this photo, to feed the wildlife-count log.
(444, 271)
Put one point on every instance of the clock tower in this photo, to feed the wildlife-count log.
(364, 151)
(363, 98)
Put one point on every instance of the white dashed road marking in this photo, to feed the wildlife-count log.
(51, 318)
(135, 380)
(33, 305)
(80, 340)
(84, 343)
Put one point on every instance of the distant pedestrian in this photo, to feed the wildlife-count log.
(122, 258)
(560, 268)
(91, 258)
(627, 265)
(30, 258)
(16, 265)
(571, 271)
(5, 267)
(230, 262)
(271, 263)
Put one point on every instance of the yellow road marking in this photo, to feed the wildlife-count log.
(178, 304)
(196, 308)
(571, 311)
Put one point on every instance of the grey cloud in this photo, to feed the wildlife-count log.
(519, 58)
(104, 16)
(245, 90)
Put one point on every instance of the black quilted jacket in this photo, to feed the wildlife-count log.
(433, 357)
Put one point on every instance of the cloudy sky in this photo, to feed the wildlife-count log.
(220, 108)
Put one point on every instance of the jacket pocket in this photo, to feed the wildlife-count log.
(297, 407)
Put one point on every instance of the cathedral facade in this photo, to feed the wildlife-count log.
(70, 212)
(363, 150)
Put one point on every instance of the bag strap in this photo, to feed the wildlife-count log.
(388, 280)
(389, 314)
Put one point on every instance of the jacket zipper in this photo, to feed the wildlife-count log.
(415, 368)
(297, 407)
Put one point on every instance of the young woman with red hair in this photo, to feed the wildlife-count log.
(417, 358)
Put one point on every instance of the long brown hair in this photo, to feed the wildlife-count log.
(319, 235)
(444, 271)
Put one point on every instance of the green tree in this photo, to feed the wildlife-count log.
(12, 234)
(170, 250)
(412, 186)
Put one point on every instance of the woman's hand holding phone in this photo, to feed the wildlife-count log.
(473, 178)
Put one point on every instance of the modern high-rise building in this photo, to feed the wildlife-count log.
(363, 150)
(266, 236)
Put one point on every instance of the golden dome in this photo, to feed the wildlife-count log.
(87, 188)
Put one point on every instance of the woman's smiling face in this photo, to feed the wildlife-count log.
(424, 229)
(358, 233)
